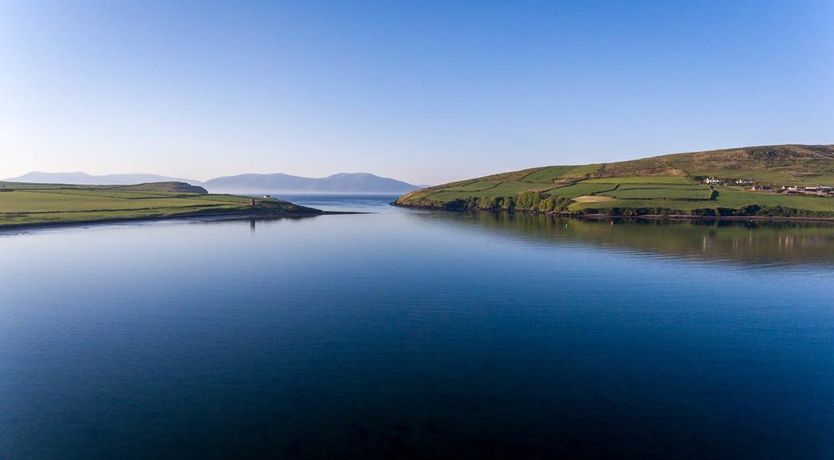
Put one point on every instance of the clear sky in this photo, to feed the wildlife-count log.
(424, 91)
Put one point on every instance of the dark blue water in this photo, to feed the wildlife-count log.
(410, 334)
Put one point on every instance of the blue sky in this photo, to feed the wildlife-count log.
(422, 91)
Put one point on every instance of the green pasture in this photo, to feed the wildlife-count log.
(730, 199)
(22, 204)
(660, 194)
(662, 180)
(582, 188)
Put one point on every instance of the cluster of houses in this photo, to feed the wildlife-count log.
(819, 190)
(717, 181)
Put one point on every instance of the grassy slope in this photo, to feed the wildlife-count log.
(35, 204)
(670, 183)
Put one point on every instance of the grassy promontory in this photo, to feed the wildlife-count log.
(762, 182)
(24, 204)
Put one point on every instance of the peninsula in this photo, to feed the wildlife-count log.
(793, 181)
(25, 204)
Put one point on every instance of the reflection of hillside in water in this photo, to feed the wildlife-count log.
(753, 243)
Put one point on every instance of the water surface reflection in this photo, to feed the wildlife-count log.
(755, 243)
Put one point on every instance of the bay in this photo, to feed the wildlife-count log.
(417, 334)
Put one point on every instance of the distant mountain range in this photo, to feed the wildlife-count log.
(343, 182)
(80, 178)
(243, 183)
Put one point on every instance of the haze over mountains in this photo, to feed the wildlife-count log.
(81, 178)
(343, 182)
(243, 183)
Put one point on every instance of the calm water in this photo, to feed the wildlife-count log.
(417, 335)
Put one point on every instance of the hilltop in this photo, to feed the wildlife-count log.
(25, 204)
(748, 181)
(170, 186)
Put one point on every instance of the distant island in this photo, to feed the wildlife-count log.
(243, 183)
(26, 205)
(785, 181)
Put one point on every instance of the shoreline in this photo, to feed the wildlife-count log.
(197, 217)
(686, 217)
(645, 217)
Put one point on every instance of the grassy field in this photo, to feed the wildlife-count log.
(581, 189)
(39, 204)
(642, 180)
(667, 184)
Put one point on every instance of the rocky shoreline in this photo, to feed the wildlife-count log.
(635, 217)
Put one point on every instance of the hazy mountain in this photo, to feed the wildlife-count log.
(337, 183)
(81, 178)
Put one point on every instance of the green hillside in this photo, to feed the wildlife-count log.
(42, 204)
(669, 184)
